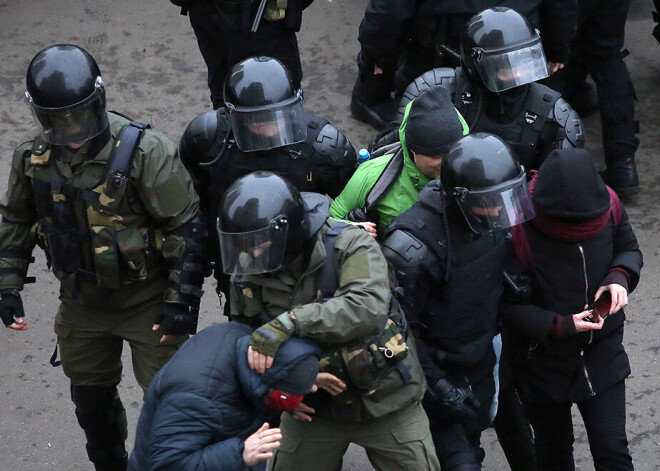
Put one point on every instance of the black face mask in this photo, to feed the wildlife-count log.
(506, 105)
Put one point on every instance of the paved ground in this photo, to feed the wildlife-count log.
(154, 72)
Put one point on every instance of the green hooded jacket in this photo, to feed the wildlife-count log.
(402, 194)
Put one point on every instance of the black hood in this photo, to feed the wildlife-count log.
(568, 186)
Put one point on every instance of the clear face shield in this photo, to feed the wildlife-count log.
(496, 208)
(270, 126)
(75, 123)
(254, 252)
(503, 69)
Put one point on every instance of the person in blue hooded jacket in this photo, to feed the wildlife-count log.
(207, 410)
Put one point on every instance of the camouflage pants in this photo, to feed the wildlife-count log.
(397, 442)
(91, 343)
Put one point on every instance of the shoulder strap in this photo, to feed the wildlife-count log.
(385, 180)
(426, 225)
(538, 105)
(521, 246)
(615, 206)
(120, 162)
(328, 278)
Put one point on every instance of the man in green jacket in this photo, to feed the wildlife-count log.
(115, 211)
(430, 125)
(274, 242)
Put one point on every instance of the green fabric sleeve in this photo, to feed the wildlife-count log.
(360, 305)
(18, 215)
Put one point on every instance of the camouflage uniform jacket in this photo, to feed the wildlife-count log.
(134, 244)
(358, 310)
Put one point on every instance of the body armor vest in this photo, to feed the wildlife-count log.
(523, 132)
(84, 232)
(459, 317)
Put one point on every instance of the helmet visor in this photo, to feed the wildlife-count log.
(254, 252)
(497, 208)
(504, 69)
(72, 124)
(269, 126)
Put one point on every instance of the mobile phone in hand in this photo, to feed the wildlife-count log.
(600, 307)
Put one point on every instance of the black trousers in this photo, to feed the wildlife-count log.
(604, 417)
(596, 50)
(223, 42)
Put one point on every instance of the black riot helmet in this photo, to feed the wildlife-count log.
(65, 91)
(264, 109)
(482, 175)
(501, 50)
(262, 224)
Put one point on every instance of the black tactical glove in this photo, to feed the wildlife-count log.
(178, 319)
(11, 306)
(452, 402)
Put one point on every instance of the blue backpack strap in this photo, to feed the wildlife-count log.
(328, 278)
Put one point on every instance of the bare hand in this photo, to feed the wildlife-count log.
(554, 67)
(330, 383)
(302, 411)
(259, 361)
(165, 337)
(370, 227)
(259, 445)
(583, 326)
(377, 70)
(619, 296)
(19, 324)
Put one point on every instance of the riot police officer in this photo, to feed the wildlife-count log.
(598, 50)
(494, 89)
(402, 40)
(263, 127)
(229, 31)
(295, 272)
(121, 228)
(448, 252)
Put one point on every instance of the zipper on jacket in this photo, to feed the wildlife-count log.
(586, 374)
(591, 334)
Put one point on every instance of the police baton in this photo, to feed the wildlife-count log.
(449, 51)
(257, 17)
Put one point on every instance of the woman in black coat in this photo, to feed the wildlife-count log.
(579, 246)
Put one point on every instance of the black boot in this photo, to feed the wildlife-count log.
(378, 115)
(371, 100)
(112, 459)
(621, 175)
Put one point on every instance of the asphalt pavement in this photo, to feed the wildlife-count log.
(154, 72)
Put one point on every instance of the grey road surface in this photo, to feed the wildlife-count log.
(154, 72)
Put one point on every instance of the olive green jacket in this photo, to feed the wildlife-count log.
(358, 310)
(159, 199)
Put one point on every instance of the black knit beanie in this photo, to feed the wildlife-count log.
(433, 123)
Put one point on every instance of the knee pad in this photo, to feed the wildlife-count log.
(101, 415)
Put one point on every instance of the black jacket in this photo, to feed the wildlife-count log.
(204, 403)
(565, 276)
(386, 22)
